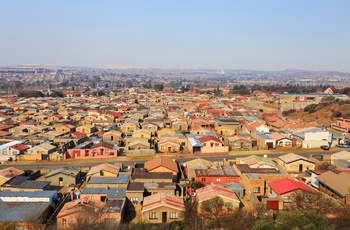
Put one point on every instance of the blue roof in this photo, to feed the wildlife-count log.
(263, 135)
(120, 179)
(112, 193)
(194, 142)
(22, 211)
(47, 193)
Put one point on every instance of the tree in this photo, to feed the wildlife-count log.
(158, 87)
(305, 219)
(136, 101)
(211, 210)
(295, 220)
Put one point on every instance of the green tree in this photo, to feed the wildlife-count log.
(211, 210)
(158, 87)
(306, 219)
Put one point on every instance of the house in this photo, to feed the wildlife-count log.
(103, 170)
(62, 176)
(168, 146)
(254, 161)
(221, 175)
(112, 135)
(179, 126)
(87, 129)
(177, 137)
(92, 151)
(89, 211)
(65, 128)
(9, 173)
(284, 189)
(153, 127)
(162, 208)
(342, 125)
(212, 144)
(162, 164)
(225, 131)
(341, 159)
(142, 133)
(194, 145)
(313, 137)
(198, 163)
(44, 149)
(103, 194)
(128, 128)
(137, 144)
(255, 183)
(229, 198)
(335, 185)
(294, 163)
(239, 143)
(135, 192)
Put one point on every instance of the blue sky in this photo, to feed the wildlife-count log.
(260, 34)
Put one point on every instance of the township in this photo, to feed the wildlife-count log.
(161, 130)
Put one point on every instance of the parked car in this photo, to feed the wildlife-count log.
(342, 146)
(325, 147)
(9, 158)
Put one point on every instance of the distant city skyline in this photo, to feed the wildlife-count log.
(251, 35)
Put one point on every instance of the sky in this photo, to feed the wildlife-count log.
(195, 34)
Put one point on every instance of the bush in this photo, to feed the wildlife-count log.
(311, 107)
(336, 113)
(286, 113)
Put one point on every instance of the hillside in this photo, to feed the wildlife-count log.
(322, 114)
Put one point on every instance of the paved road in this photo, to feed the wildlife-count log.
(54, 165)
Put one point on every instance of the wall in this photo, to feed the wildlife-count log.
(160, 210)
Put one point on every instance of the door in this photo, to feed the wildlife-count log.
(300, 167)
(60, 181)
(272, 204)
(163, 217)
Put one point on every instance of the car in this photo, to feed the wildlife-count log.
(325, 147)
(342, 146)
(10, 159)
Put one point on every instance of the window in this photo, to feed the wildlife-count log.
(235, 144)
(153, 215)
(256, 189)
(204, 144)
(211, 144)
(217, 179)
(247, 144)
(203, 179)
(183, 143)
(173, 215)
(229, 205)
(216, 144)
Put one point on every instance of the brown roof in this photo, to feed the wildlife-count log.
(11, 172)
(106, 167)
(161, 161)
(339, 183)
(135, 186)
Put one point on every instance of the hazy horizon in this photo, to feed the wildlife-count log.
(230, 35)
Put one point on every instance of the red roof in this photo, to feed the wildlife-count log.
(160, 199)
(288, 185)
(19, 147)
(115, 114)
(209, 138)
(78, 134)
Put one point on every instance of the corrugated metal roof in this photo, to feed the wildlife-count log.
(194, 142)
(21, 211)
(120, 179)
(46, 193)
